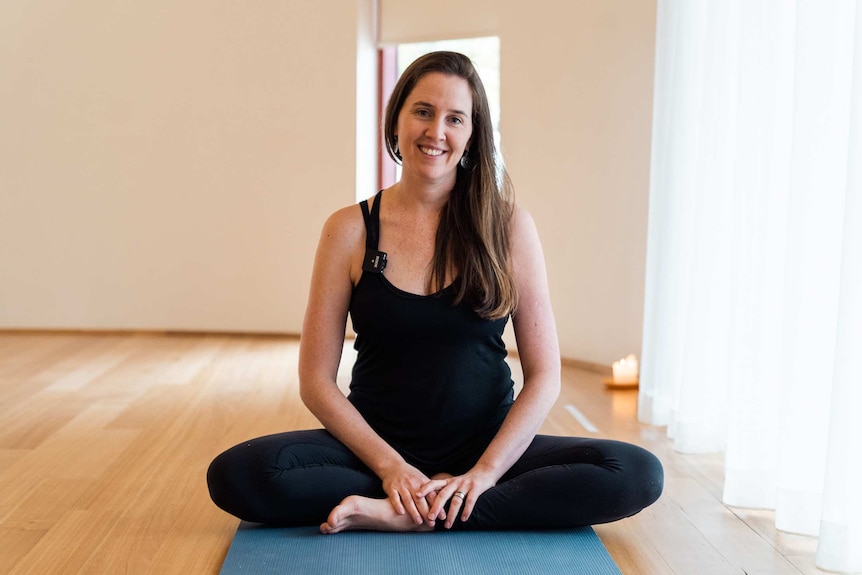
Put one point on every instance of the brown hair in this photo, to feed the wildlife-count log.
(474, 232)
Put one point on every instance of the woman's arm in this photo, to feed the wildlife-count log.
(539, 351)
(337, 267)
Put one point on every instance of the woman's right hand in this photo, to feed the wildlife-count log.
(402, 482)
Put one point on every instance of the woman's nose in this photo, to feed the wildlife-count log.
(436, 130)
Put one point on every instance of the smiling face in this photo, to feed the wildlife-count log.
(434, 128)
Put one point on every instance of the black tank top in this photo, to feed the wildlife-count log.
(430, 376)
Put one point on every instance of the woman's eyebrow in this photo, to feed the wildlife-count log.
(422, 104)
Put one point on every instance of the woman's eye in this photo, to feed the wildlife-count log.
(456, 120)
(423, 113)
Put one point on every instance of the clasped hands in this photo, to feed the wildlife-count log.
(410, 491)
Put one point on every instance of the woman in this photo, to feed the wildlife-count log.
(430, 436)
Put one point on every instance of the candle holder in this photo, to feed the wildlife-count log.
(625, 374)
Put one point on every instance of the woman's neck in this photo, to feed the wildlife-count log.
(414, 197)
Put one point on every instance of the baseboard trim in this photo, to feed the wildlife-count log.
(588, 366)
(146, 332)
(577, 364)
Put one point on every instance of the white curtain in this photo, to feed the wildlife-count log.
(753, 316)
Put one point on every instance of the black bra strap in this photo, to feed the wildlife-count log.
(372, 222)
(375, 261)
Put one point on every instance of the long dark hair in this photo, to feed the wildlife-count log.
(474, 232)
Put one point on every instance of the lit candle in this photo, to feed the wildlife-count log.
(626, 370)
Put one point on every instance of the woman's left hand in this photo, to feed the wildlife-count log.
(462, 492)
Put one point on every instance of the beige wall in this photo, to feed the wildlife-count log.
(405, 21)
(576, 85)
(168, 165)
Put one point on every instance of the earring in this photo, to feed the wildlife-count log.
(465, 160)
(395, 149)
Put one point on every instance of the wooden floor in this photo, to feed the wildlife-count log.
(105, 441)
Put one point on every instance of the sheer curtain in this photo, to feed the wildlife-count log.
(753, 316)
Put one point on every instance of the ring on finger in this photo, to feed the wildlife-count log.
(460, 494)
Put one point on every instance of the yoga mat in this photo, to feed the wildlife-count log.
(303, 550)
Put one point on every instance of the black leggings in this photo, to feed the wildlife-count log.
(298, 477)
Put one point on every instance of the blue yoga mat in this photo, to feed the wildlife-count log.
(303, 550)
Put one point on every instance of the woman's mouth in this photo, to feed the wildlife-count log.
(430, 151)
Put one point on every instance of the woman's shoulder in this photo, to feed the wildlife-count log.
(524, 237)
(345, 224)
(348, 222)
(521, 221)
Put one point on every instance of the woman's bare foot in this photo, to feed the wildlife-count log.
(357, 512)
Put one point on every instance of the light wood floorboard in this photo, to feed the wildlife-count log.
(105, 440)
